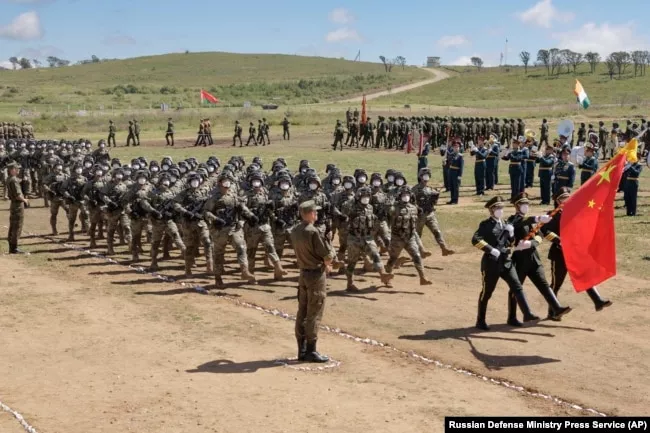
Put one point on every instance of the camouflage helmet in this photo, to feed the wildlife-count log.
(364, 191)
(349, 180)
(142, 173)
(312, 178)
(398, 176)
(423, 171)
(376, 177)
(257, 160)
(403, 190)
(389, 172)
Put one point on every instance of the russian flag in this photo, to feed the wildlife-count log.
(580, 93)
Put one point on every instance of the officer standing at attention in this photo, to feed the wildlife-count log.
(565, 171)
(631, 187)
(589, 166)
(546, 163)
(136, 133)
(481, 154)
(131, 135)
(315, 261)
(170, 132)
(494, 237)
(492, 162)
(456, 165)
(111, 133)
(16, 208)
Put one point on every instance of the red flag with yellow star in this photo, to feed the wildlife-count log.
(587, 225)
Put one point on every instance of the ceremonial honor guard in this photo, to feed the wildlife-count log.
(492, 163)
(526, 258)
(631, 187)
(551, 232)
(456, 165)
(494, 237)
(516, 158)
(565, 171)
(546, 163)
(531, 148)
(589, 165)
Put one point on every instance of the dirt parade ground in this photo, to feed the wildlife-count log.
(96, 344)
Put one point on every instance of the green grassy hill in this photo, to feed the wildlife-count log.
(176, 79)
(500, 89)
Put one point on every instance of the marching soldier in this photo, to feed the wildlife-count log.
(251, 134)
(223, 212)
(208, 132)
(582, 134)
(52, 185)
(551, 231)
(361, 222)
(285, 212)
(200, 138)
(16, 208)
(266, 128)
(91, 193)
(529, 164)
(369, 134)
(494, 237)
(72, 189)
(404, 221)
(170, 132)
(237, 135)
(315, 262)
(603, 136)
(527, 261)
(286, 135)
(260, 133)
(480, 154)
(425, 199)
(111, 133)
(353, 134)
(112, 196)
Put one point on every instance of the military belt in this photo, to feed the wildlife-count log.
(588, 170)
(490, 157)
(454, 167)
(545, 168)
(633, 178)
(563, 177)
(482, 161)
(515, 163)
(531, 160)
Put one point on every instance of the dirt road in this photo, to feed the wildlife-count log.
(438, 75)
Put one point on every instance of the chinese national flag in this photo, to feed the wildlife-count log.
(205, 96)
(364, 114)
(587, 225)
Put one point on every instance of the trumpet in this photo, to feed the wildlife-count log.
(530, 134)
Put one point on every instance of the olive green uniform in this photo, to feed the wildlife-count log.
(16, 212)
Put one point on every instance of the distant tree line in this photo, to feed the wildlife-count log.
(555, 61)
(52, 61)
(389, 63)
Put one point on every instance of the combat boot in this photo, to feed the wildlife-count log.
(386, 279)
(426, 253)
(351, 287)
(246, 275)
(480, 318)
(188, 267)
(93, 244)
(278, 271)
(53, 225)
(311, 355)
(218, 282)
(267, 263)
(423, 280)
(446, 251)
(70, 232)
(302, 348)
(368, 266)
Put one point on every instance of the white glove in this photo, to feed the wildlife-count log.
(507, 152)
(580, 160)
(544, 219)
(474, 148)
(495, 253)
(523, 245)
(510, 229)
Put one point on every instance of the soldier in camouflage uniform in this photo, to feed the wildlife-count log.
(112, 195)
(285, 213)
(111, 134)
(381, 206)
(237, 135)
(339, 201)
(223, 212)
(425, 199)
(339, 133)
(258, 202)
(138, 214)
(72, 191)
(189, 204)
(131, 136)
(360, 226)
(404, 219)
(91, 193)
(52, 185)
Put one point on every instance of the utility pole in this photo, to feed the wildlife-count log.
(506, 53)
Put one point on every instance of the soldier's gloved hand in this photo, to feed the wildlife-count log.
(157, 215)
(511, 229)
(495, 253)
(219, 222)
(344, 218)
(254, 220)
(544, 219)
(281, 224)
(523, 245)
(197, 216)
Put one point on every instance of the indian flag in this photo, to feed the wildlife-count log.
(580, 93)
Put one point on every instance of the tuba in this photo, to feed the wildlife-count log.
(530, 135)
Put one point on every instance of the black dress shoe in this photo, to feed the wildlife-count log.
(531, 318)
(17, 251)
(482, 326)
(514, 322)
(312, 354)
(558, 315)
